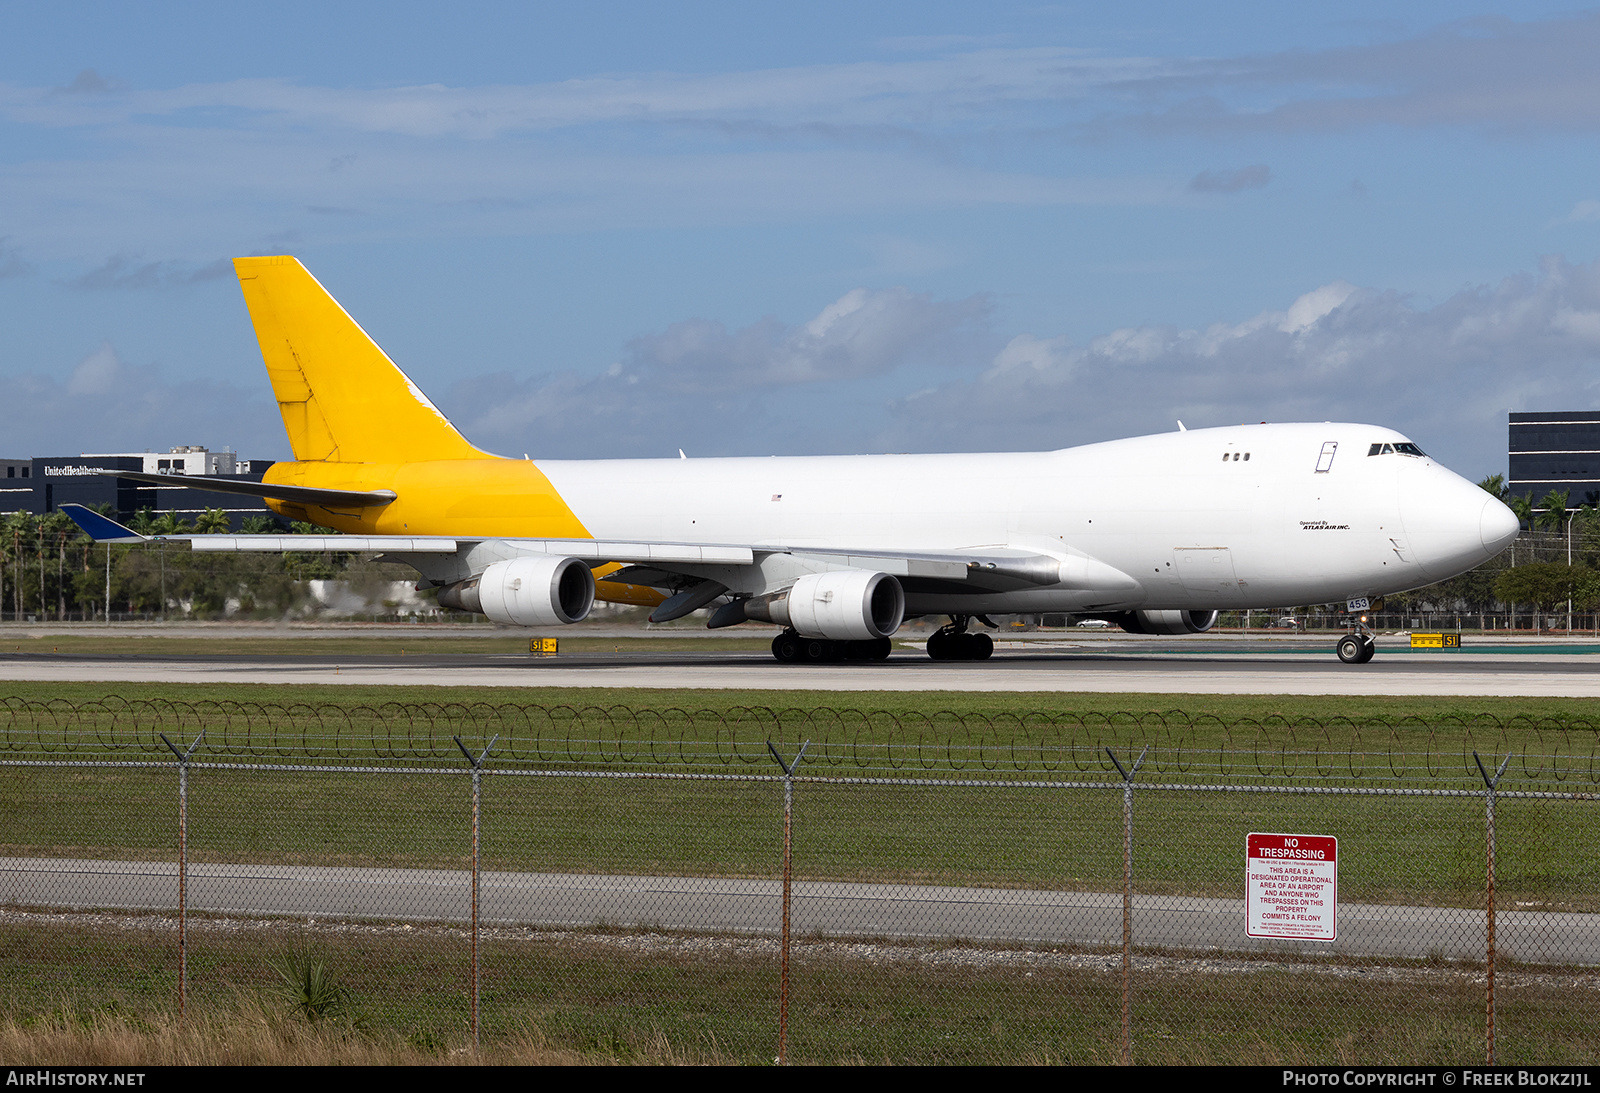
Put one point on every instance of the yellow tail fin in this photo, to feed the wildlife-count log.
(342, 399)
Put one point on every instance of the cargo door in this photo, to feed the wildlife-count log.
(1206, 573)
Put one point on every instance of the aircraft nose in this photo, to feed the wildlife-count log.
(1452, 524)
(1497, 527)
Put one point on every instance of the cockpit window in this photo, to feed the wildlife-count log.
(1404, 448)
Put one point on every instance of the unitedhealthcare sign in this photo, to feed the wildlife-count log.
(54, 472)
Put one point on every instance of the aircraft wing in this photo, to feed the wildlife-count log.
(652, 562)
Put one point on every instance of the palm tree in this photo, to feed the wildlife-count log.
(1495, 486)
(1523, 507)
(1554, 507)
(168, 523)
(19, 528)
(56, 527)
(1557, 503)
(213, 522)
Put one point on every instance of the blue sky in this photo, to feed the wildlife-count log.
(622, 229)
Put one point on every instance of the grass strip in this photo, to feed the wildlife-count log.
(108, 994)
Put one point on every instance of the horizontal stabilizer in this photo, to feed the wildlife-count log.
(100, 528)
(300, 495)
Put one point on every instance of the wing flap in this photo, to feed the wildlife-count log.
(315, 544)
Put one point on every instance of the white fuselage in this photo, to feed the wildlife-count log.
(1244, 516)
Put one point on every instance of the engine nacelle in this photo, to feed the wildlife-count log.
(1166, 622)
(539, 591)
(843, 605)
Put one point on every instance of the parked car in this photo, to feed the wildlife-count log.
(1289, 622)
(1093, 624)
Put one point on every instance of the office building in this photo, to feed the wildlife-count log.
(1555, 450)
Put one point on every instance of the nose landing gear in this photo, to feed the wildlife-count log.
(1356, 648)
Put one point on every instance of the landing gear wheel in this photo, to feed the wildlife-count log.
(1355, 648)
(870, 649)
(786, 648)
(954, 643)
(819, 651)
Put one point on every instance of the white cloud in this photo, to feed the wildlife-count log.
(1314, 306)
(1446, 373)
(1584, 212)
(123, 272)
(106, 404)
(972, 125)
(97, 373)
(1492, 73)
(959, 85)
(892, 370)
(861, 334)
(738, 389)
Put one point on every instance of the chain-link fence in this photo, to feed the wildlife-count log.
(821, 885)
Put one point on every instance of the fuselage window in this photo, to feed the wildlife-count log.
(1236, 457)
(1224, 457)
(1247, 457)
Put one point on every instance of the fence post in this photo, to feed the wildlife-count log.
(788, 827)
(1491, 783)
(183, 864)
(1127, 899)
(477, 793)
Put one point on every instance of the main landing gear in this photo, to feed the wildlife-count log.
(790, 648)
(954, 643)
(1356, 648)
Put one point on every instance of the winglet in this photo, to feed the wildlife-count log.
(100, 528)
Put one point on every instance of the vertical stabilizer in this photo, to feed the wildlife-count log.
(342, 399)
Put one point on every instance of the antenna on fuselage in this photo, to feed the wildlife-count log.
(1181, 429)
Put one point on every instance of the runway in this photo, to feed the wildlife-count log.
(1123, 664)
(715, 905)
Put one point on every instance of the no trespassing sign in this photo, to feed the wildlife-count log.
(1291, 886)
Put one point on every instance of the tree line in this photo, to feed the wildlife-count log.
(49, 569)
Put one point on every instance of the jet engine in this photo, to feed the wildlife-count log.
(1166, 622)
(540, 591)
(843, 605)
